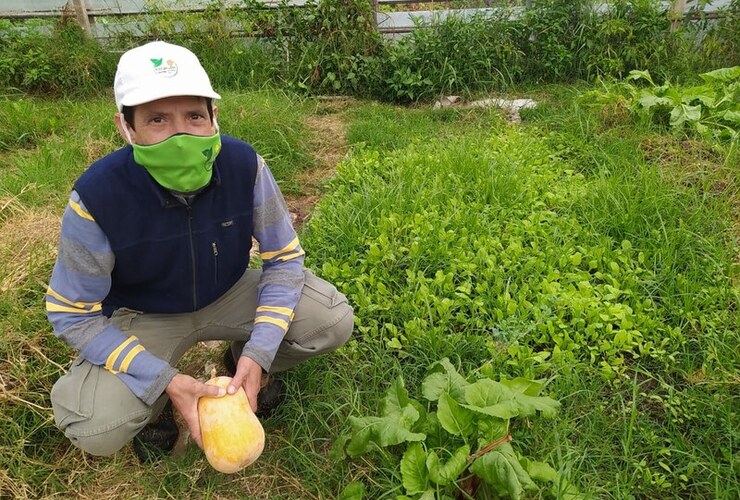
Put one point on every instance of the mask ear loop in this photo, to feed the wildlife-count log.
(125, 126)
(215, 124)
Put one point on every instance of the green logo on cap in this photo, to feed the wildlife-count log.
(157, 62)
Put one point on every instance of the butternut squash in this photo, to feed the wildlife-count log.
(233, 437)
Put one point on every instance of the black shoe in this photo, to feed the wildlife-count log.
(157, 439)
(229, 362)
(271, 395)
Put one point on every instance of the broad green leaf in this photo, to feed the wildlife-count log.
(649, 100)
(396, 398)
(443, 378)
(491, 398)
(500, 468)
(706, 99)
(683, 113)
(353, 491)
(454, 418)
(529, 405)
(444, 474)
(730, 116)
(525, 386)
(414, 469)
(722, 75)
(637, 74)
(539, 471)
(382, 431)
(490, 429)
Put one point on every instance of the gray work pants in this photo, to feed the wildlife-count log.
(98, 412)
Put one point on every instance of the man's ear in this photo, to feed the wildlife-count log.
(123, 128)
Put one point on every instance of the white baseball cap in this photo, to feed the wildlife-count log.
(157, 70)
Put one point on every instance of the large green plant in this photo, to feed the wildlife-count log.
(460, 441)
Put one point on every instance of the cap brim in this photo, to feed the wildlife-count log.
(146, 95)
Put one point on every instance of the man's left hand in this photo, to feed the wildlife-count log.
(248, 376)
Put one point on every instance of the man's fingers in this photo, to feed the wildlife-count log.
(212, 391)
(235, 384)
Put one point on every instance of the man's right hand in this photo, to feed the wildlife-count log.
(184, 392)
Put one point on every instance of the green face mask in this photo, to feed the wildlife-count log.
(182, 162)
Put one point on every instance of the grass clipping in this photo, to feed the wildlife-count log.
(28, 239)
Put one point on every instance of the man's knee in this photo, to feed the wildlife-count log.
(95, 412)
(342, 330)
(103, 444)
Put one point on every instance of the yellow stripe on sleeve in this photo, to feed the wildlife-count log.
(287, 248)
(112, 357)
(52, 307)
(285, 311)
(80, 211)
(60, 298)
(291, 256)
(130, 357)
(278, 322)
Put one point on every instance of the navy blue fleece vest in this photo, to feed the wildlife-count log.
(171, 258)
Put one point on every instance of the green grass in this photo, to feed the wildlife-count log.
(574, 248)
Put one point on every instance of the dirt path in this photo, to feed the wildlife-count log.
(329, 146)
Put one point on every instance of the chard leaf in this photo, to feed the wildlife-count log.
(353, 491)
(539, 471)
(648, 100)
(722, 75)
(382, 431)
(444, 474)
(454, 418)
(683, 113)
(396, 399)
(529, 405)
(491, 398)
(730, 116)
(500, 468)
(414, 469)
(443, 378)
(525, 386)
(490, 429)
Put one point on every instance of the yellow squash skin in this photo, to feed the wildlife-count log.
(233, 437)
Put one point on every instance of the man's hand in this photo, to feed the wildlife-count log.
(248, 376)
(184, 392)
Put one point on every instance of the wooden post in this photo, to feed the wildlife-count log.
(677, 12)
(82, 19)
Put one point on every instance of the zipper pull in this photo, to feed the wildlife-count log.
(215, 249)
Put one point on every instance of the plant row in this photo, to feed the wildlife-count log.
(333, 46)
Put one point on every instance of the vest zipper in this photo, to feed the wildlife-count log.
(215, 262)
(192, 256)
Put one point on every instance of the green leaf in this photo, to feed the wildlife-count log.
(491, 398)
(353, 491)
(721, 75)
(539, 471)
(648, 100)
(490, 429)
(525, 386)
(453, 417)
(683, 113)
(730, 116)
(414, 469)
(443, 378)
(444, 474)
(396, 399)
(501, 469)
(382, 431)
(637, 74)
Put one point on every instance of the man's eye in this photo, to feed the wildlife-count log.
(157, 119)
